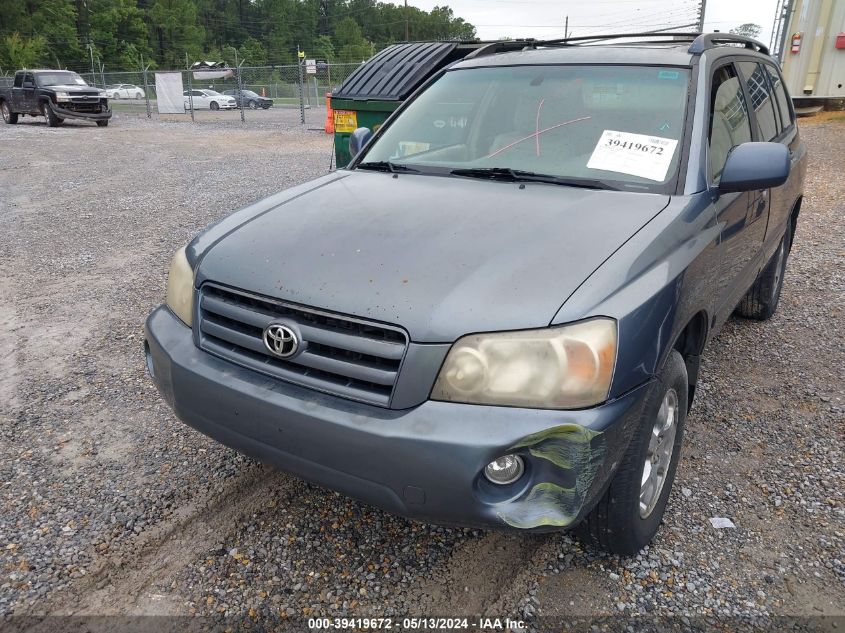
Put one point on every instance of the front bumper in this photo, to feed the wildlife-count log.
(424, 462)
(65, 113)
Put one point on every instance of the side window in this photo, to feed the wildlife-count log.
(729, 124)
(29, 78)
(18, 80)
(780, 95)
(762, 100)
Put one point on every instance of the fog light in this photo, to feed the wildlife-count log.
(505, 470)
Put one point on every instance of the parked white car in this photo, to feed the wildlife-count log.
(125, 91)
(208, 100)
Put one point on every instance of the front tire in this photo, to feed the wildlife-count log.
(214, 105)
(252, 105)
(9, 117)
(761, 300)
(628, 515)
(102, 123)
(53, 120)
(116, 96)
(138, 95)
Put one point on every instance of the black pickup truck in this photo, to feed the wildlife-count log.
(56, 95)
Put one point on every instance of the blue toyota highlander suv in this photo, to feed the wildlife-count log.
(495, 315)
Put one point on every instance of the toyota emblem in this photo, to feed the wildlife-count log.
(281, 340)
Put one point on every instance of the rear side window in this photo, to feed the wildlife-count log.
(18, 80)
(729, 124)
(762, 100)
(780, 94)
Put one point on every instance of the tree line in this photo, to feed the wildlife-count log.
(130, 34)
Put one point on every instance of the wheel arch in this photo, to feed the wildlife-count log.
(690, 344)
(793, 219)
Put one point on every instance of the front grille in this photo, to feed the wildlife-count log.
(343, 356)
(93, 106)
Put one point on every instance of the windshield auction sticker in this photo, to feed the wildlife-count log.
(635, 154)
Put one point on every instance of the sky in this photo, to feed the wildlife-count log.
(544, 19)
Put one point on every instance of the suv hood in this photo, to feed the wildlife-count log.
(441, 257)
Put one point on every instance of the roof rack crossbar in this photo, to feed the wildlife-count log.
(711, 40)
(686, 35)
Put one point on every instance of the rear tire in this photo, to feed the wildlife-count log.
(628, 515)
(138, 95)
(8, 116)
(102, 123)
(761, 300)
(53, 120)
(214, 105)
(252, 105)
(116, 96)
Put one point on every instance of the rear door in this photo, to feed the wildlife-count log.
(18, 98)
(730, 125)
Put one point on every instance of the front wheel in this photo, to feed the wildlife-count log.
(253, 105)
(214, 105)
(628, 515)
(761, 300)
(138, 95)
(102, 123)
(8, 116)
(53, 120)
(116, 96)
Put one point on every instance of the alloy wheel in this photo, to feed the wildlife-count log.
(659, 455)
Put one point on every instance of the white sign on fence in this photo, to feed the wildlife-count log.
(311, 66)
(169, 98)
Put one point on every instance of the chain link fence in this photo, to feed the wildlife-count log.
(243, 94)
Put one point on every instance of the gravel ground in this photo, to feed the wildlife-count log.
(108, 505)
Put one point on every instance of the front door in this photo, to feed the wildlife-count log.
(736, 212)
(30, 102)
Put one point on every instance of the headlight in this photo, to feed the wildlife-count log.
(103, 93)
(62, 96)
(564, 367)
(180, 287)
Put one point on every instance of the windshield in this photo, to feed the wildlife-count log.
(611, 124)
(64, 78)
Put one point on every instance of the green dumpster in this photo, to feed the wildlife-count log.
(350, 114)
(375, 89)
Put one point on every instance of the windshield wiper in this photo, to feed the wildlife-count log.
(518, 175)
(386, 165)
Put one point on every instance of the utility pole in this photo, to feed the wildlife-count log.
(701, 10)
(566, 28)
(407, 28)
(91, 52)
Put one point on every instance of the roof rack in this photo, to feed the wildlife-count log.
(503, 46)
(566, 41)
(712, 40)
(700, 41)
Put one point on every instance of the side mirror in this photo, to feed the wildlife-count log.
(358, 139)
(752, 166)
